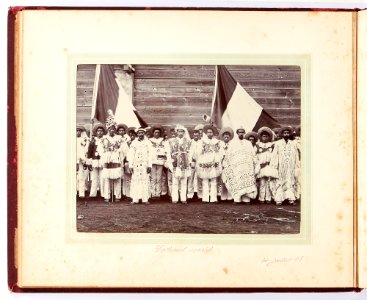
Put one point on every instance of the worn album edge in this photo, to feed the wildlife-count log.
(361, 152)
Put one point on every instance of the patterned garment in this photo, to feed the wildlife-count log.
(180, 157)
(239, 168)
(110, 158)
(139, 158)
(209, 158)
(159, 151)
(286, 161)
(95, 151)
(264, 153)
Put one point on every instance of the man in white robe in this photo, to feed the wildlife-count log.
(194, 183)
(239, 169)
(226, 134)
(286, 161)
(81, 161)
(209, 163)
(140, 164)
(179, 164)
(112, 162)
(159, 157)
(95, 151)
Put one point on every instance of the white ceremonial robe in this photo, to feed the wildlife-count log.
(111, 161)
(239, 169)
(139, 158)
(285, 161)
(209, 166)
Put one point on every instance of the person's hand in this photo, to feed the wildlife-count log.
(149, 169)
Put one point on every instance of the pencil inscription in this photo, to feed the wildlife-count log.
(281, 260)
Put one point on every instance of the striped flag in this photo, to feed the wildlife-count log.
(109, 94)
(234, 107)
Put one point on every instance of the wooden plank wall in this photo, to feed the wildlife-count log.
(171, 94)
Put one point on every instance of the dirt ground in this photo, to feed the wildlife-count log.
(195, 217)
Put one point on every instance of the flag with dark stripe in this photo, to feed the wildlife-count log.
(234, 107)
(111, 95)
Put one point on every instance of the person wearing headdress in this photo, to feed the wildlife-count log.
(264, 150)
(86, 136)
(285, 162)
(252, 137)
(121, 129)
(179, 163)
(131, 131)
(195, 187)
(159, 157)
(200, 128)
(239, 168)
(297, 140)
(209, 155)
(148, 133)
(81, 160)
(140, 164)
(226, 135)
(126, 178)
(95, 151)
(170, 134)
(111, 161)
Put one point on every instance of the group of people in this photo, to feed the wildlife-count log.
(145, 164)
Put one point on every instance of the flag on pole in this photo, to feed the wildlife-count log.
(234, 107)
(109, 94)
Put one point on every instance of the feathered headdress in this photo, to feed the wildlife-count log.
(110, 121)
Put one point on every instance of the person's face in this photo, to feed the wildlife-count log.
(157, 133)
(132, 135)
(252, 140)
(265, 137)
(112, 130)
(141, 135)
(209, 133)
(78, 133)
(180, 133)
(196, 135)
(121, 131)
(286, 134)
(99, 132)
(200, 133)
(241, 134)
(226, 137)
(173, 133)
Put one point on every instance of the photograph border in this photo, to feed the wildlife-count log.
(305, 235)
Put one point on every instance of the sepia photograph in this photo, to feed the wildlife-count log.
(210, 149)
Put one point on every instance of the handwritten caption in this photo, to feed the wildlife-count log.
(281, 260)
(180, 249)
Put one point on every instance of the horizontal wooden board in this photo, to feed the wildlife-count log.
(149, 84)
(164, 94)
(211, 67)
(265, 102)
(199, 74)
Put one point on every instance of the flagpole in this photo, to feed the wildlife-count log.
(94, 97)
(214, 93)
